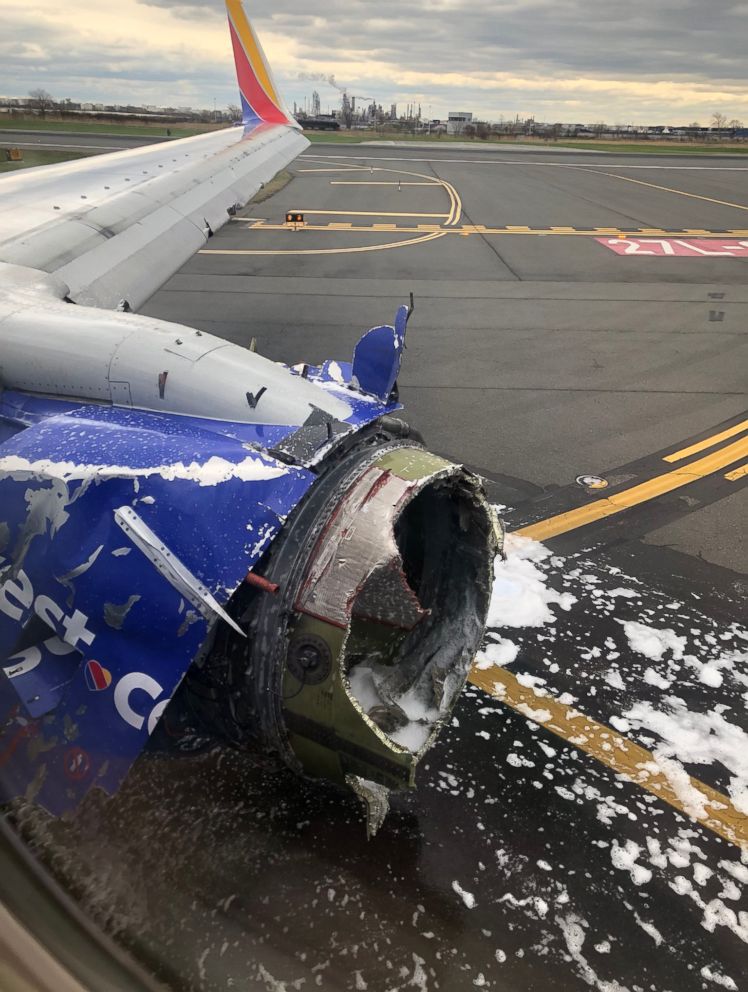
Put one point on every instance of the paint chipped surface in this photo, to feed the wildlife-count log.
(115, 614)
(213, 472)
(66, 564)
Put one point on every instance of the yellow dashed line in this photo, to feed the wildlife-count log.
(708, 442)
(469, 229)
(661, 484)
(611, 749)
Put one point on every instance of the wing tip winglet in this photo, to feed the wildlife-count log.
(260, 98)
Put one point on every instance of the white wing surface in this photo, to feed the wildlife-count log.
(113, 228)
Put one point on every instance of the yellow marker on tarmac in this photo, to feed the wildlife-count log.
(738, 473)
(610, 748)
(616, 502)
(365, 213)
(708, 442)
(364, 182)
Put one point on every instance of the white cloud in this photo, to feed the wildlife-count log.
(585, 60)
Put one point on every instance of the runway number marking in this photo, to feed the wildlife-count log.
(664, 247)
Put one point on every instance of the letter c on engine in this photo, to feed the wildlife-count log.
(125, 687)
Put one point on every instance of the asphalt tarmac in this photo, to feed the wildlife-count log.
(581, 824)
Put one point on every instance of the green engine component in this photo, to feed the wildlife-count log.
(371, 608)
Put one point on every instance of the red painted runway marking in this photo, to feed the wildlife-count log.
(669, 247)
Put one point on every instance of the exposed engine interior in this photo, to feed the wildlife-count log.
(362, 625)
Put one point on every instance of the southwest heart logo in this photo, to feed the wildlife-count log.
(97, 677)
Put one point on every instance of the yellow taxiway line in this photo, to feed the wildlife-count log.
(602, 743)
(364, 182)
(658, 486)
(708, 442)
(738, 473)
(611, 749)
(430, 232)
(363, 213)
(455, 213)
(510, 230)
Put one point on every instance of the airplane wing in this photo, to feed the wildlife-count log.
(196, 541)
(114, 227)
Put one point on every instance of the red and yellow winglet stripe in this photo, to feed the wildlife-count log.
(260, 98)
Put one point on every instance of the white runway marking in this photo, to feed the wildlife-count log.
(525, 162)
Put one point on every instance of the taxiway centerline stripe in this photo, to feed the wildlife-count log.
(362, 213)
(364, 182)
(455, 213)
(347, 168)
(613, 750)
(708, 442)
(738, 473)
(457, 209)
(645, 491)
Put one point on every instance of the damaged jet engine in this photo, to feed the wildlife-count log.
(196, 538)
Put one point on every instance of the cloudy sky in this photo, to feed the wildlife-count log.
(622, 61)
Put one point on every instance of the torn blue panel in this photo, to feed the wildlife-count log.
(377, 357)
(122, 537)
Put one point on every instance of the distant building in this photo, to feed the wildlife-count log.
(316, 104)
(456, 121)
